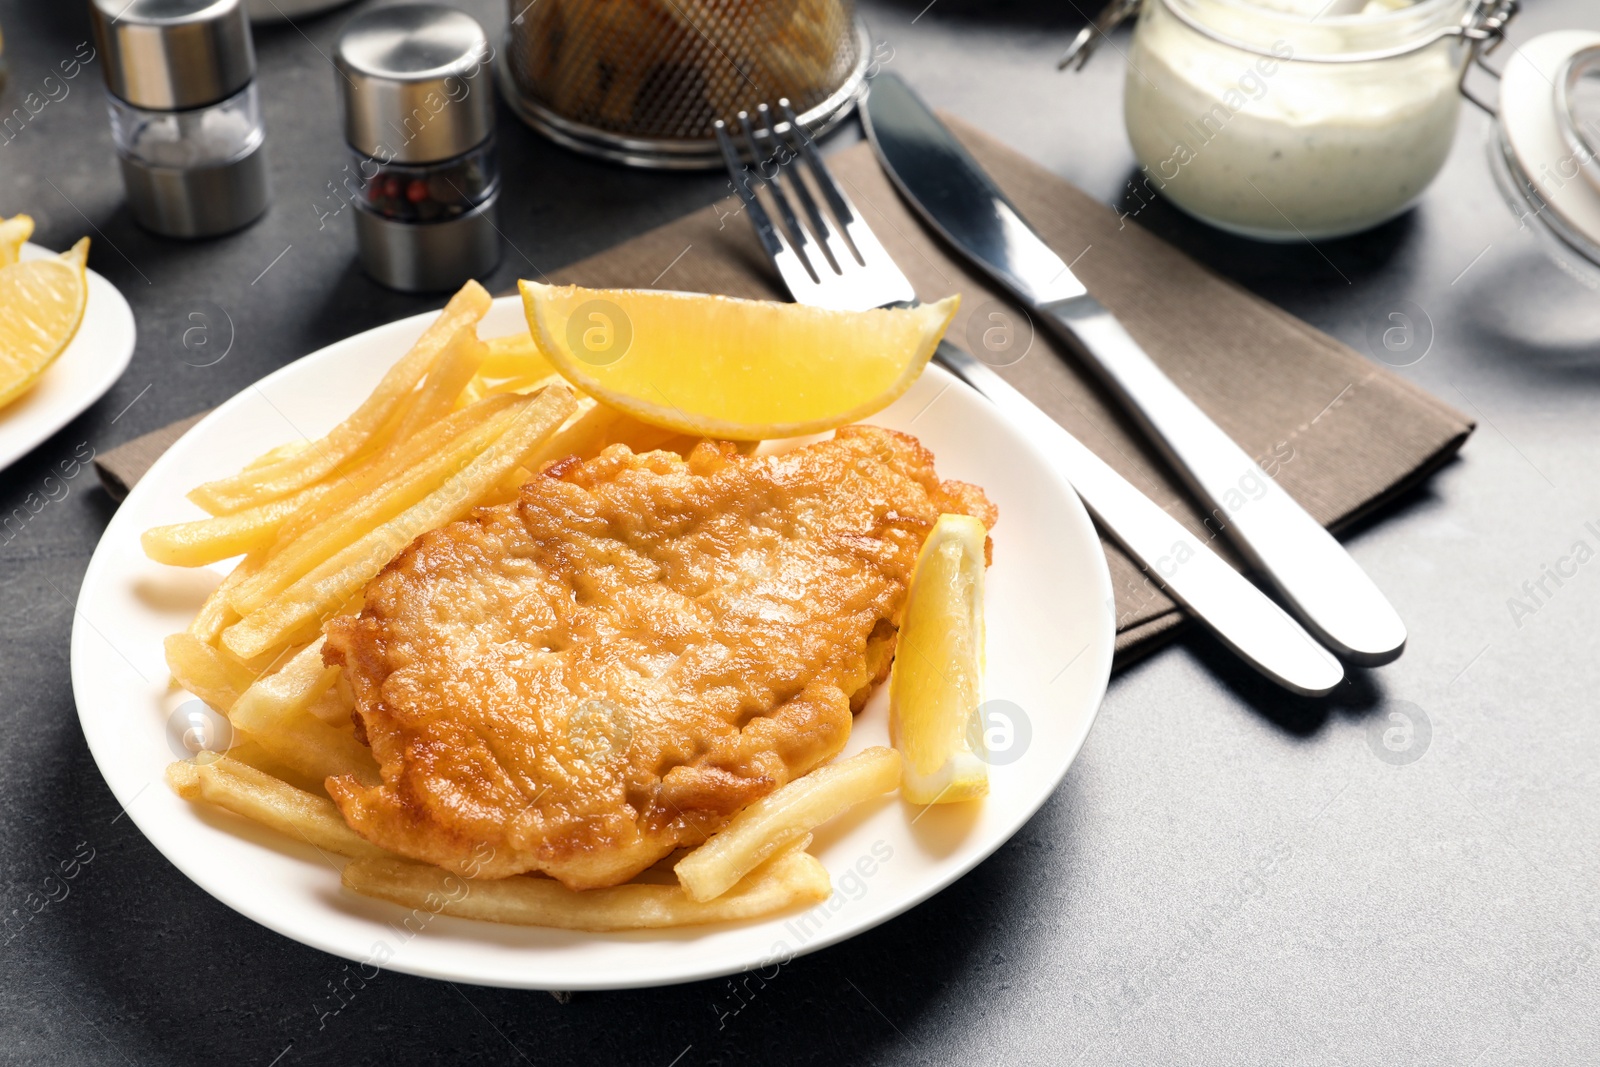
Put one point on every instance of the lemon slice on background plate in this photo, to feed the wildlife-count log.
(936, 685)
(41, 306)
(736, 369)
(14, 233)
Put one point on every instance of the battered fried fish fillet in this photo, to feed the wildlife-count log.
(641, 645)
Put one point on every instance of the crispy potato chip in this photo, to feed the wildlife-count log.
(334, 706)
(280, 452)
(253, 755)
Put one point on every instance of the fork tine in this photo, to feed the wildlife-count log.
(833, 245)
(869, 252)
(837, 201)
(799, 239)
(796, 273)
(863, 275)
(772, 241)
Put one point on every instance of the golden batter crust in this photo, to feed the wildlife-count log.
(637, 648)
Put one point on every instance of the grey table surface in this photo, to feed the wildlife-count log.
(1226, 876)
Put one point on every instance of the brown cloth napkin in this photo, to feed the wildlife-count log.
(1339, 433)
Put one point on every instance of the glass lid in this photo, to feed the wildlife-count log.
(1549, 138)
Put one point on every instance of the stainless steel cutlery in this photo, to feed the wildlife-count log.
(833, 260)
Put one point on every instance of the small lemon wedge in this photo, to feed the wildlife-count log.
(744, 370)
(41, 307)
(14, 233)
(937, 683)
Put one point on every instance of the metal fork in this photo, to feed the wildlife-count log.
(831, 259)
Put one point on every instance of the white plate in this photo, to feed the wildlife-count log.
(93, 361)
(1050, 633)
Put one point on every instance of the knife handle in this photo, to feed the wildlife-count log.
(1324, 586)
(1244, 617)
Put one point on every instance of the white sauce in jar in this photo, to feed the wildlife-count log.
(1282, 149)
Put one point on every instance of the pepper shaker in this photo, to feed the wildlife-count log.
(180, 86)
(419, 120)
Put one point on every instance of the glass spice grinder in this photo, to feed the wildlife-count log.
(180, 81)
(418, 101)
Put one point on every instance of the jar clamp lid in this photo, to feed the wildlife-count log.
(1483, 28)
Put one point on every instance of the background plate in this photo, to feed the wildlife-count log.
(91, 364)
(1050, 634)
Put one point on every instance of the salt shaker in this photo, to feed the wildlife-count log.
(419, 120)
(180, 80)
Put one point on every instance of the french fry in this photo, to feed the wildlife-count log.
(387, 466)
(253, 755)
(790, 879)
(528, 384)
(457, 365)
(273, 455)
(207, 541)
(515, 356)
(584, 434)
(510, 487)
(781, 818)
(243, 790)
(312, 748)
(359, 431)
(332, 707)
(296, 613)
(205, 672)
(183, 777)
(284, 695)
(265, 664)
(474, 391)
(215, 615)
(423, 473)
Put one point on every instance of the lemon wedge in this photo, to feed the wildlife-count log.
(14, 233)
(937, 682)
(735, 369)
(41, 306)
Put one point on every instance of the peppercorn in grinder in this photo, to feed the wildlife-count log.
(417, 90)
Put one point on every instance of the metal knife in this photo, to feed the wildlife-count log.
(1244, 618)
(1322, 584)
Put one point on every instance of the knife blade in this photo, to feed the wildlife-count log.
(1324, 587)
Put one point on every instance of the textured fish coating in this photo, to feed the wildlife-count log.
(638, 647)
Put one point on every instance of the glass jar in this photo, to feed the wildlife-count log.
(210, 136)
(1267, 121)
(426, 192)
